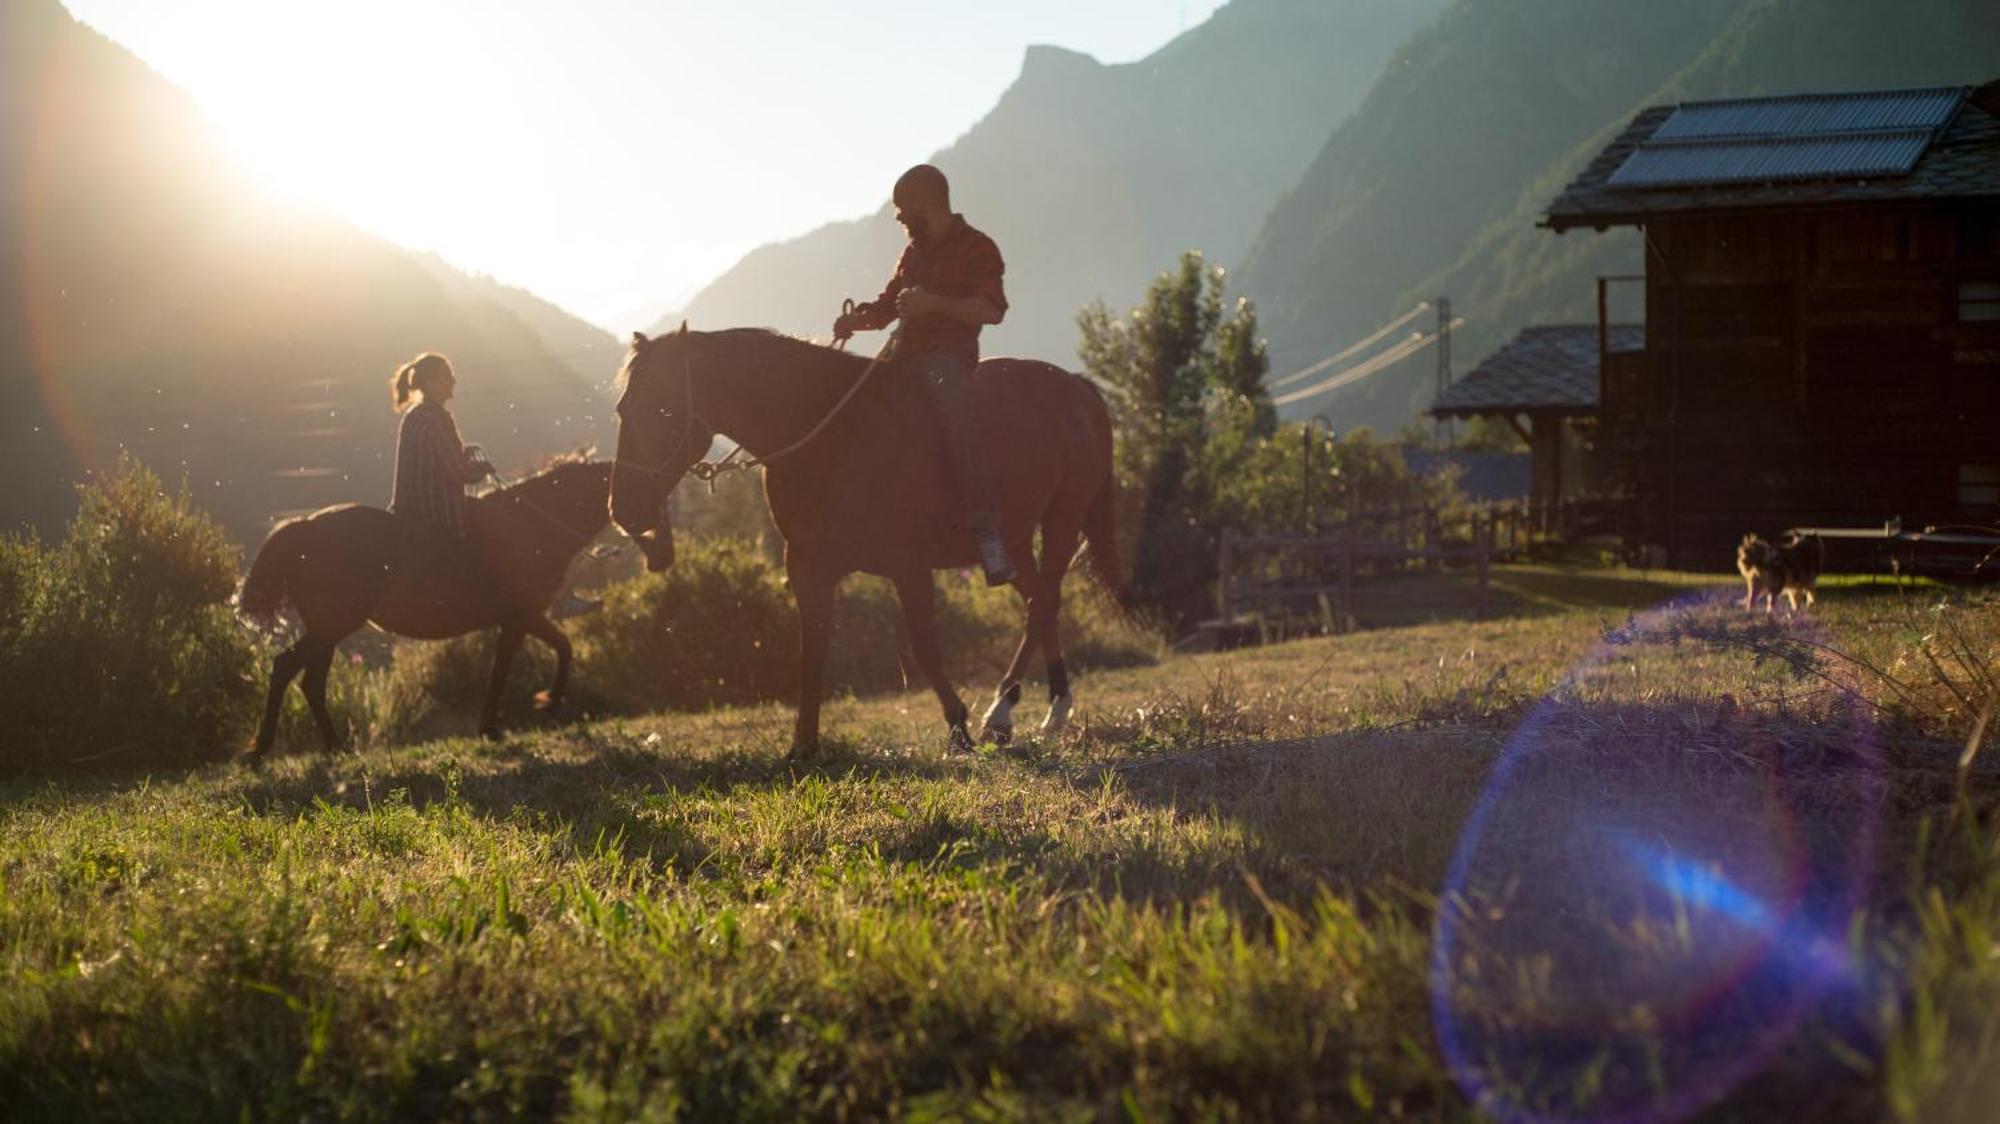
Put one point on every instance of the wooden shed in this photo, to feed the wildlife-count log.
(1822, 338)
(1545, 383)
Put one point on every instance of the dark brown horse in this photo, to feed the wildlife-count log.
(345, 566)
(871, 492)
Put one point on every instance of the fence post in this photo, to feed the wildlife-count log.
(1482, 534)
(1223, 564)
(1346, 583)
(1433, 540)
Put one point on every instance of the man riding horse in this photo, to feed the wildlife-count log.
(947, 285)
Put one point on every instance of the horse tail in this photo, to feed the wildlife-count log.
(1100, 531)
(266, 586)
(1100, 520)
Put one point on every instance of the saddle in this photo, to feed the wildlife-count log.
(432, 566)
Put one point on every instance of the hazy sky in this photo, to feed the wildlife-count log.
(611, 155)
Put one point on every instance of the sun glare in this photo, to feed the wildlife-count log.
(353, 135)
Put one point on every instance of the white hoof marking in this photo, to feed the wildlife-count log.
(1058, 714)
(999, 718)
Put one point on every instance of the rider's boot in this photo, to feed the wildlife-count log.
(992, 552)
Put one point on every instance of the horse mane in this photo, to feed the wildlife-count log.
(809, 347)
(579, 455)
(549, 467)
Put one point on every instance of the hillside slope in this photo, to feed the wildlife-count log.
(1470, 112)
(156, 302)
(1093, 178)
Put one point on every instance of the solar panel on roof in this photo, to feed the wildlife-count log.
(1831, 136)
(1812, 114)
(1786, 158)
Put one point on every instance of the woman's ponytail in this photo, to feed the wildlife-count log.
(401, 384)
(411, 377)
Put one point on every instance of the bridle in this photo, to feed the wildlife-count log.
(687, 430)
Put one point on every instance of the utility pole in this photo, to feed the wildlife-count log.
(1308, 515)
(1443, 363)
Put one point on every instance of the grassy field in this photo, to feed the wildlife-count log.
(1569, 863)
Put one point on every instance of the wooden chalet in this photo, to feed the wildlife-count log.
(1545, 384)
(1822, 293)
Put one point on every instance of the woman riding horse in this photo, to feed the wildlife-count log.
(435, 565)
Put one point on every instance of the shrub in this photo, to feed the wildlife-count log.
(718, 629)
(707, 631)
(435, 689)
(117, 647)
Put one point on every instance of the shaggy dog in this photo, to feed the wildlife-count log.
(1789, 566)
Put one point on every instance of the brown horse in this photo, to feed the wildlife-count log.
(870, 491)
(345, 566)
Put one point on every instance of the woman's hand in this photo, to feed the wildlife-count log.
(475, 458)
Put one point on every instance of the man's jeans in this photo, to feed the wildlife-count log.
(947, 382)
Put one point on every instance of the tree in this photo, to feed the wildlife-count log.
(1200, 449)
(1178, 373)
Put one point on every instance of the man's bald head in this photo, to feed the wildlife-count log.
(923, 186)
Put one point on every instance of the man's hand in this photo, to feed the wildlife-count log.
(917, 301)
(843, 327)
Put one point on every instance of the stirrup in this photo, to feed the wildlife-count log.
(993, 559)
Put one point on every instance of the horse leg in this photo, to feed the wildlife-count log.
(285, 667)
(548, 632)
(319, 661)
(1058, 548)
(999, 717)
(503, 660)
(919, 600)
(814, 593)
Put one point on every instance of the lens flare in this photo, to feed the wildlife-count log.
(1653, 893)
(44, 311)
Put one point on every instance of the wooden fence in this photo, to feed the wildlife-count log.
(1287, 585)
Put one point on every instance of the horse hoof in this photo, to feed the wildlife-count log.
(1059, 708)
(998, 721)
(959, 742)
(490, 733)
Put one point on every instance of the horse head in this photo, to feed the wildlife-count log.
(660, 436)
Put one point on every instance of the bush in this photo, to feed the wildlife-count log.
(721, 629)
(117, 647)
(710, 630)
(718, 629)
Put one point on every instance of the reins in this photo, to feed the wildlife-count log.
(522, 499)
(710, 471)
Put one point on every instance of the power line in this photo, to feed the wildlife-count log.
(1353, 348)
(1388, 358)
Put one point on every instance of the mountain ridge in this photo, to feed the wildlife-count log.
(1094, 177)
